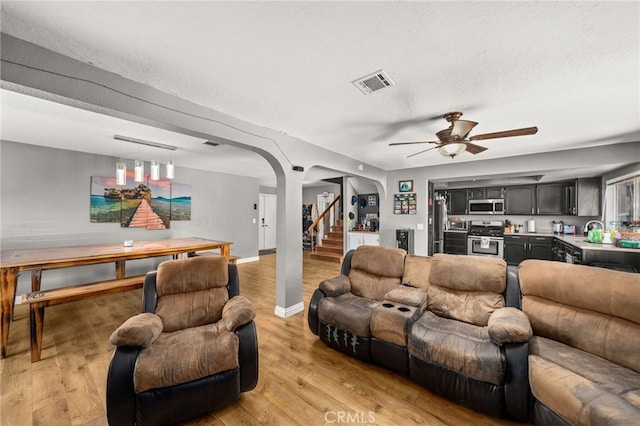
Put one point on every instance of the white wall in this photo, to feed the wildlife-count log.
(45, 202)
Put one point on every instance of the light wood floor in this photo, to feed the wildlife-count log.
(302, 381)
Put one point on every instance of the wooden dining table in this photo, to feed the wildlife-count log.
(13, 262)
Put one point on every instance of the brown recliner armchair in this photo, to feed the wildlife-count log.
(192, 350)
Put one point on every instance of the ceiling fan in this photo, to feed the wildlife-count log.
(453, 140)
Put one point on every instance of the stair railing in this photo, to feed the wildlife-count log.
(333, 217)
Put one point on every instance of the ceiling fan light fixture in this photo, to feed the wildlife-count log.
(452, 149)
(461, 128)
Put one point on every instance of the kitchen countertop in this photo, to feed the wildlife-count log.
(457, 231)
(576, 241)
(363, 232)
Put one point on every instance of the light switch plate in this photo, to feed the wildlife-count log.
(420, 226)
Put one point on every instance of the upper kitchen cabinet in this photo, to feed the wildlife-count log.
(457, 202)
(555, 198)
(485, 193)
(520, 199)
(588, 197)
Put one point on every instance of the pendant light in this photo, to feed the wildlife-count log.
(138, 171)
(155, 170)
(170, 170)
(121, 173)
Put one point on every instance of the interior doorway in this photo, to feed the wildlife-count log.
(324, 226)
(267, 227)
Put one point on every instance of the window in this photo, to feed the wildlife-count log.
(623, 201)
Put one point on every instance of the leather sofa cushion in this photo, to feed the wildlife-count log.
(606, 336)
(473, 307)
(180, 311)
(600, 290)
(186, 355)
(416, 271)
(375, 270)
(191, 274)
(466, 288)
(582, 388)
(457, 346)
(348, 312)
(191, 292)
(468, 273)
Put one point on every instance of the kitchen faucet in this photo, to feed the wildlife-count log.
(586, 226)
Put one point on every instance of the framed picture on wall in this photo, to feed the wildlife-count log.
(406, 186)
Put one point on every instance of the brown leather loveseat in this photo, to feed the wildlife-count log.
(448, 321)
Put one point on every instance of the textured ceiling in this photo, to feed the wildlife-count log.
(570, 68)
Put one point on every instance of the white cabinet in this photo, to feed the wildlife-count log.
(356, 239)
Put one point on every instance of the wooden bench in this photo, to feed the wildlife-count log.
(38, 300)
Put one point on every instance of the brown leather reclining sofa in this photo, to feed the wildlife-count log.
(450, 322)
(584, 357)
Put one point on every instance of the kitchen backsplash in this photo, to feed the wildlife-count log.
(544, 224)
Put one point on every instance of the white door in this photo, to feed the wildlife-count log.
(324, 226)
(267, 224)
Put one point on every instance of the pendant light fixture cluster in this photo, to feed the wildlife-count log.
(138, 165)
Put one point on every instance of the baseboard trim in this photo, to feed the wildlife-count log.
(248, 259)
(290, 311)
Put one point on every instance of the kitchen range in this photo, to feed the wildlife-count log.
(486, 238)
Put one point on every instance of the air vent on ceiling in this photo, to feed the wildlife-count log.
(212, 143)
(373, 82)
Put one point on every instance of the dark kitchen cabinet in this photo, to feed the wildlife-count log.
(475, 193)
(515, 249)
(555, 198)
(540, 248)
(588, 197)
(455, 242)
(485, 193)
(457, 201)
(520, 199)
(520, 247)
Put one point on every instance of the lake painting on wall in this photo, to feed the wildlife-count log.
(180, 201)
(150, 205)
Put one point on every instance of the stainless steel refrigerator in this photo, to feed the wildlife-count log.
(437, 221)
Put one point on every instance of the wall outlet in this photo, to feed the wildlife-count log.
(420, 226)
(254, 220)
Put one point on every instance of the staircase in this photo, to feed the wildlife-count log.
(331, 249)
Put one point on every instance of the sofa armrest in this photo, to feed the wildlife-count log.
(248, 356)
(509, 325)
(312, 314)
(336, 286)
(410, 296)
(517, 393)
(140, 330)
(121, 395)
(237, 311)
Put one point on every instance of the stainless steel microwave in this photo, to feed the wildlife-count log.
(492, 206)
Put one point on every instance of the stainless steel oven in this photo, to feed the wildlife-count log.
(485, 246)
(486, 238)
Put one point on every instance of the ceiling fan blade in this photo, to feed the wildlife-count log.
(461, 128)
(410, 143)
(506, 134)
(417, 153)
(474, 149)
